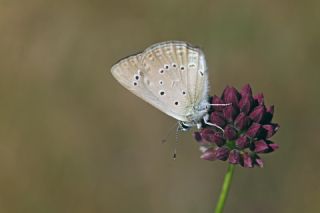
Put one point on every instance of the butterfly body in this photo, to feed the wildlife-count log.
(172, 76)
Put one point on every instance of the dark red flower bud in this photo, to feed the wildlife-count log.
(259, 99)
(234, 157)
(222, 153)
(246, 90)
(242, 142)
(254, 130)
(217, 118)
(231, 95)
(209, 154)
(259, 162)
(230, 112)
(212, 136)
(246, 104)
(247, 160)
(230, 133)
(271, 129)
(273, 146)
(207, 134)
(217, 100)
(270, 109)
(218, 139)
(242, 121)
(197, 136)
(268, 115)
(260, 146)
(258, 113)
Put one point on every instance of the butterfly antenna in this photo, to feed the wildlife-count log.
(228, 104)
(176, 143)
(169, 133)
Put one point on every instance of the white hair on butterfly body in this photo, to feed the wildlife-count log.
(173, 77)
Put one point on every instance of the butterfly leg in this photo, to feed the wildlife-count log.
(182, 126)
(206, 121)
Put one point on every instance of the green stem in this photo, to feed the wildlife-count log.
(225, 189)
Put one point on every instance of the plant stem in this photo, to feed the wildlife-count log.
(225, 189)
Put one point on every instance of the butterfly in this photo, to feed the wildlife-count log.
(173, 77)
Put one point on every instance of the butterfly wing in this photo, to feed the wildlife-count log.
(130, 74)
(171, 76)
(179, 75)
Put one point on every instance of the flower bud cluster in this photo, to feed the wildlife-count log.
(247, 125)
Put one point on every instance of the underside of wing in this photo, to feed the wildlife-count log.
(130, 74)
(179, 75)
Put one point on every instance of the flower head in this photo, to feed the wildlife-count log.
(247, 125)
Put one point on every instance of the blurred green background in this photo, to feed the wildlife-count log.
(73, 140)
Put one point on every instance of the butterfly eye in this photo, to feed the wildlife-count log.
(135, 83)
(161, 71)
(161, 93)
(176, 103)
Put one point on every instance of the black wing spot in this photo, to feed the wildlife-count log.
(135, 84)
(176, 103)
(161, 93)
